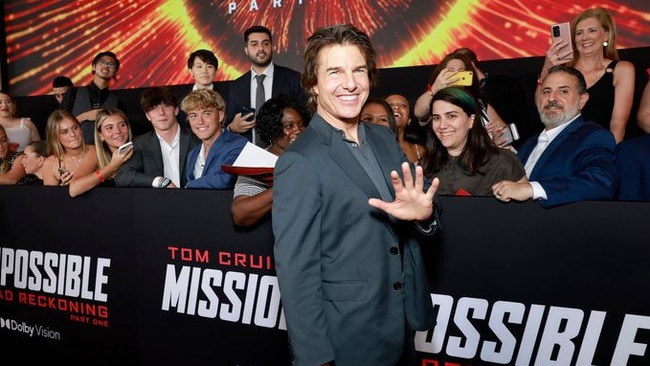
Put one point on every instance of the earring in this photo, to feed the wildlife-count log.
(605, 44)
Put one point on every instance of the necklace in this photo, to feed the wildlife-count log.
(78, 158)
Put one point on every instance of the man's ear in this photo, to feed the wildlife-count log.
(584, 97)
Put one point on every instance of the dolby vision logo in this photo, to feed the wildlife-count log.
(5, 323)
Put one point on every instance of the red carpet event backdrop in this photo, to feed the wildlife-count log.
(160, 277)
(153, 39)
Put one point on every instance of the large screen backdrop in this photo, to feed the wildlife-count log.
(153, 39)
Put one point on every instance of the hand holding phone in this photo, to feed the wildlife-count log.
(124, 147)
(562, 31)
(510, 134)
(465, 78)
(248, 110)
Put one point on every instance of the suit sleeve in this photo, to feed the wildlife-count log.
(131, 173)
(593, 175)
(213, 176)
(297, 216)
(630, 167)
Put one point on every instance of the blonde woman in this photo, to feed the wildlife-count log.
(69, 155)
(610, 81)
(112, 130)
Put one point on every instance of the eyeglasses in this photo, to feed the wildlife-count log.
(292, 126)
(108, 64)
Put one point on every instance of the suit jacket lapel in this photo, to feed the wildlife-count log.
(342, 157)
(157, 152)
(554, 145)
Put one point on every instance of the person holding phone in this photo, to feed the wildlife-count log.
(460, 152)
(610, 81)
(447, 74)
(112, 131)
(263, 81)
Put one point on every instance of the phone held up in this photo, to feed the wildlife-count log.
(563, 31)
(464, 78)
(124, 147)
(511, 134)
(247, 110)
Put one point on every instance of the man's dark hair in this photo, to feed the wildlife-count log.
(257, 29)
(206, 56)
(109, 54)
(61, 81)
(341, 34)
(157, 95)
(582, 84)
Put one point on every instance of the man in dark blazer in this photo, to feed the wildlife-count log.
(159, 156)
(346, 223)
(258, 46)
(571, 160)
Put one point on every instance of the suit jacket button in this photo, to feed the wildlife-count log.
(394, 250)
(397, 286)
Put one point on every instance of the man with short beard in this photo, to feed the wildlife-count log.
(276, 80)
(572, 159)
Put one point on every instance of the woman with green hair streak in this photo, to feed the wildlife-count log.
(460, 151)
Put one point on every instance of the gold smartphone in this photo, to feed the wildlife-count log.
(563, 31)
(464, 78)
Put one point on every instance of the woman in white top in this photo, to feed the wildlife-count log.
(20, 131)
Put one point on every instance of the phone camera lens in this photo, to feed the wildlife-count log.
(556, 31)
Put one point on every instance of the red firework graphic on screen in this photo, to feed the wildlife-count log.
(153, 38)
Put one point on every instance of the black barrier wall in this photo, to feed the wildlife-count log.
(163, 277)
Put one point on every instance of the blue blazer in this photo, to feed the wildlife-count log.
(224, 151)
(350, 276)
(578, 164)
(633, 164)
(285, 81)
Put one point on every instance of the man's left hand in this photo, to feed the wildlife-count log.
(411, 202)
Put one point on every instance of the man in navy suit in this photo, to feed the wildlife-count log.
(258, 46)
(571, 160)
(350, 270)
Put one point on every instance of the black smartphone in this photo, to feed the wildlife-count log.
(247, 110)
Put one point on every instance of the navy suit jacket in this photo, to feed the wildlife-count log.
(224, 151)
(577, 165)
(147, 161)
(633, 163)
(285, 81)
(350, 275)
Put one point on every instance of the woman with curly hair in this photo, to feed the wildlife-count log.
(280, 121)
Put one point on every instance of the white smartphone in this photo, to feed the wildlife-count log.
(511, 135)
(124, 147)
(563, 31)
